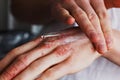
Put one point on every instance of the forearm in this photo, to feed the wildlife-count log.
(31, 11)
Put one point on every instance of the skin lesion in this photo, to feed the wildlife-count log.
(62, 50)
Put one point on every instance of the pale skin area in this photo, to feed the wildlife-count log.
(50, 58)
(91, 15)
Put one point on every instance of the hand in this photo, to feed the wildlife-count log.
(49, 57)
(91, 16)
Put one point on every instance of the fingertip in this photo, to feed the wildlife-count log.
(70, 20)
(98, 43)
(102, 49)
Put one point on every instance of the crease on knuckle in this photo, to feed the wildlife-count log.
(5, 76)
(92, 16)
(15, 68)
(78, 13)
(22, 60)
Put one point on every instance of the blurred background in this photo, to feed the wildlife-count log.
(14, 33)
(7, 21)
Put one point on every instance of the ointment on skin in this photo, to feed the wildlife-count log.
(64, 38)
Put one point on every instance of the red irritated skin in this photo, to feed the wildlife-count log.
(46, 46)
(53, 56)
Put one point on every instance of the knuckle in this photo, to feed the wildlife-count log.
(15, 68)
(22, 60)
(88, 27)
(78, 12)
(62, 50)
(103, 15)
(4, 76)
(92, 16)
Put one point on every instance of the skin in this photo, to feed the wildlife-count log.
(53, 59)
(91, 16)
(50, 58)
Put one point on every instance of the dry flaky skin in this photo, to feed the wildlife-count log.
(62, 45)
(51, 57)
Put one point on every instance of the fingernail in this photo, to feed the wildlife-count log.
(102, 49)
(70, 21)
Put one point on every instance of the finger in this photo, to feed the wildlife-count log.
(39, 66)
(85, 24)
(62, 14)
(104, 20)
(24, 60)
(56, 72)
(92, 16)
(17, 51)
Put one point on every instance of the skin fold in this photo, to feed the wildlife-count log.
(51, 57)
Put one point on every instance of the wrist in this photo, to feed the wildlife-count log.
(114, 54)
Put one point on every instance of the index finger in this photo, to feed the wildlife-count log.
(104, 20)
(85, 24)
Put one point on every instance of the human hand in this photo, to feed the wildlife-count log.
(38, 58)
(91, 16)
